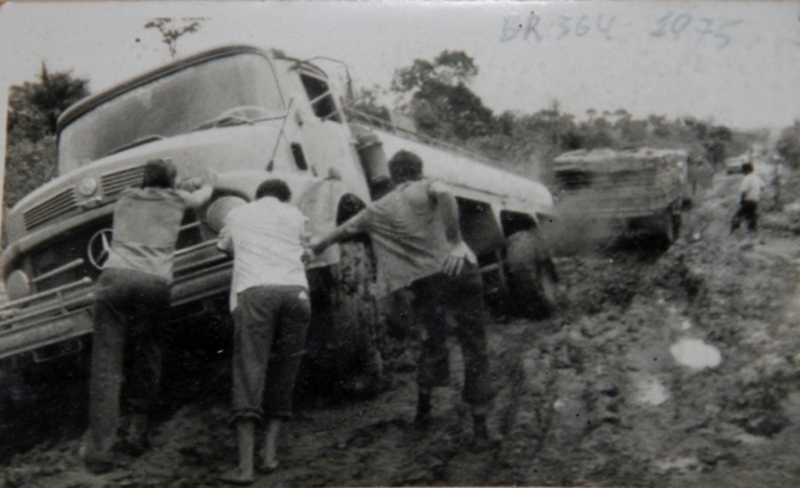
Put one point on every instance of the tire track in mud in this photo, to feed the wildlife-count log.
(647, 417)
(552, 396)
(567, 386)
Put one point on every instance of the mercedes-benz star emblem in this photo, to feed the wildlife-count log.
(98, 247)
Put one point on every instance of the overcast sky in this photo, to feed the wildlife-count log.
(735, 62)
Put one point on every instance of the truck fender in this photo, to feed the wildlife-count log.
(326, 204)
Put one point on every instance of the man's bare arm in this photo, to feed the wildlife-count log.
(348, 229)
(198, 197)
(197, 191)
(225, 242)
(448, 208)
(305, 243)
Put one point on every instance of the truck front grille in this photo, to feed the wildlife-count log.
(56, 206)
(114, 183)
(66, 259)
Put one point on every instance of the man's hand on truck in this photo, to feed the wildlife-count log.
(460, 255)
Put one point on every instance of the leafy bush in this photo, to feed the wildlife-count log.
(788, 145)
(29, 165)
(33, 111)
(435, 94)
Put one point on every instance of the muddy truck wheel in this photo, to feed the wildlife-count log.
(532, 276)
(346, 330)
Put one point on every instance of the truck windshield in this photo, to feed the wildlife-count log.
(174, 104)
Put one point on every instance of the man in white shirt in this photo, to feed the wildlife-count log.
(271, 310)
(750, 192)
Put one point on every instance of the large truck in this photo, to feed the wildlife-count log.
(623, 192)
(247, 115)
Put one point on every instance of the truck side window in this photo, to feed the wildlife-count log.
(321, 98)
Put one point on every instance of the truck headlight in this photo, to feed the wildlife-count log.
(18, 285)
(218, 210)
(87, 187)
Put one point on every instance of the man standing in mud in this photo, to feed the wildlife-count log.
(271, 310)
(750, 192)
(417, 242)
(132, 299)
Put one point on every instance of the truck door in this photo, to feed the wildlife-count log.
(329, 144)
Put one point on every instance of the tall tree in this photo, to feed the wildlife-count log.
(171, 30)
(33, 110)
(34, 107)
(437, 97)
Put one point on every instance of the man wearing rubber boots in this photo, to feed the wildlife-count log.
(417, 242)
(271, 310)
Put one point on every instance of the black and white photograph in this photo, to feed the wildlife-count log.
(400, 243)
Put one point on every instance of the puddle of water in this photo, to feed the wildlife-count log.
(695, 354)
(649, 391)
(750, 439)
(678, 465)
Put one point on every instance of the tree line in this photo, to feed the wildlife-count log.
(436, 95)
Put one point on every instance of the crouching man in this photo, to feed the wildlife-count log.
(271, 310)
(417, 242)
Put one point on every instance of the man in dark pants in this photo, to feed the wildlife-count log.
(749, 194)
(417, 242)
(132, 300)
(271, 310)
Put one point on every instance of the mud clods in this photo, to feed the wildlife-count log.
(695, 354)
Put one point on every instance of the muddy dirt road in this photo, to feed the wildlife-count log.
(676, 368)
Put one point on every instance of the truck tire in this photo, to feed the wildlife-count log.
(532, 276)
(346, 329)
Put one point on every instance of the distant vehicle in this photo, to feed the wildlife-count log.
(764, 166)
(733, 166)
(635, 190)
(248, 115)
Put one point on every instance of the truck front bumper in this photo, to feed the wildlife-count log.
(35, 324)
